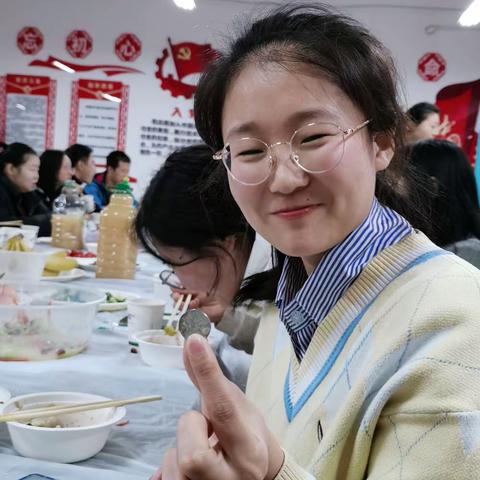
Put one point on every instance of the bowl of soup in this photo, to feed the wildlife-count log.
(159, 349)
(45, 321)
(63, 438)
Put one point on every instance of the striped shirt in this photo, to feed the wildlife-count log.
(305, 301)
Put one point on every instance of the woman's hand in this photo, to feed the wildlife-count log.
(209, 304)
(229, 439)
(445, 127)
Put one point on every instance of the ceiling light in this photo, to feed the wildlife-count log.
(107, 96)
(63, 67)
(185, 4)
(471, 15)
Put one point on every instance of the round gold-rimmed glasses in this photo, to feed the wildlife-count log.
(316, 148)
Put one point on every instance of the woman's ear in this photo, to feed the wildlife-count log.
(9, 170)
(230, 243)
(383, 149)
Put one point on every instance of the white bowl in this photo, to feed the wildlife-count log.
(159, 350)
(83, 440)
(22, 265)
(29, 232)
(45, 321)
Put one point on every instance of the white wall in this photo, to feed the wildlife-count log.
(403, 31)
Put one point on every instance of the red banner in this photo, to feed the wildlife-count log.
(59, 64)
(460, 103)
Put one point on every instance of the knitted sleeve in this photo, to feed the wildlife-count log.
(291, 471)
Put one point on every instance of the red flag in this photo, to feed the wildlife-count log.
(461, 103)
(191, 57)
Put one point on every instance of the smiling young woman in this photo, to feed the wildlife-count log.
(370, 370)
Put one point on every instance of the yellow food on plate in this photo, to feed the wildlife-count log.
(58, 262)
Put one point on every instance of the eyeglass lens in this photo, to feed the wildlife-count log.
(317, 148)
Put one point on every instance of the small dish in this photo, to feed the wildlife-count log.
(84, 262)
(81, 435)
(66, 276)
(116, 306)
(159, 350)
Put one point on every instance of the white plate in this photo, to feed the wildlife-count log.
(67, 276)
(85, 261)
(92, 266)
(4, 396)
(44, 240)
(114, 307)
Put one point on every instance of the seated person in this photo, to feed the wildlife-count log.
(19, 165)
(423, 122)
(55, 170)
(201, 234)
(454, 209)
(83, 164)
(118, 167)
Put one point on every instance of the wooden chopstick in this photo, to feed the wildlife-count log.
(29, 414)
(11, 223)
(172, 321)
(186, 304)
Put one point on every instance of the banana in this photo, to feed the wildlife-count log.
(16, 244)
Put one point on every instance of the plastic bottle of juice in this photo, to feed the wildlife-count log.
(117, 247)
(67, 218)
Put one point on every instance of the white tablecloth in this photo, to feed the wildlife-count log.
(108, 368)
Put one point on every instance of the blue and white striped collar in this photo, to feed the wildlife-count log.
(305, 301)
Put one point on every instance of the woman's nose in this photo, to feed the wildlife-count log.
(287, 175)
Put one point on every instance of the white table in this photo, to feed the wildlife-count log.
(108, 368)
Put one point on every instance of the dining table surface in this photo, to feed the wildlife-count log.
(111, 367)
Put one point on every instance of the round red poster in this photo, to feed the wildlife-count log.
(30, 40)
(128, 47)
(79, 43)
(431, 66)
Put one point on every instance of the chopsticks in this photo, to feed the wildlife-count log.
(32, 413)
(11, 223)
(176, 314)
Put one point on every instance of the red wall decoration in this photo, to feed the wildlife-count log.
(27, 106)
(187, 58)
(30, 40)
(79, 43)
(98, 115)
(431, 66)
(128, 47)
(460, 103)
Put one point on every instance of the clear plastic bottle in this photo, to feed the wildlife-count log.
(67, 218)
(117, 248)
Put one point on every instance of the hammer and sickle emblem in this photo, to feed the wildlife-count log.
(184, 53)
